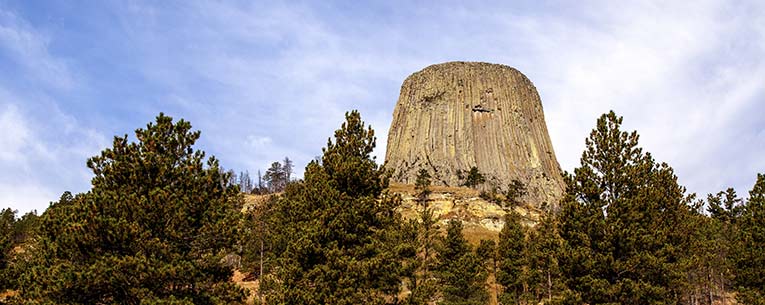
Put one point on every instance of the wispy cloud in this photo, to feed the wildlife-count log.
(15, 135)
(42, 148)
(264, 81)
(29, 49)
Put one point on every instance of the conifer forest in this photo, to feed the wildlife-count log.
(164, 223)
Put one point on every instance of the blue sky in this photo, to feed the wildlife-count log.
(264, 80)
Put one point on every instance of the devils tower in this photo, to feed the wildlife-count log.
(452, 116)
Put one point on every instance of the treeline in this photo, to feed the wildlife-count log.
(161, 220)
(275, 179)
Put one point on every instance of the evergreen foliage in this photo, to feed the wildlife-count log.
(750, 258)
(460, 271)
(623, 223)
(276, 178)
(544, 248)
(422, 186)
(473, 179)
(160, 219)
(710, 263)
(487, 252)
(152, 229)
(421, 284)
(511, 252)
(7, 242)
(515, 191)
(340, 238)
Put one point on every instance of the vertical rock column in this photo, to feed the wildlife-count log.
(452, 116)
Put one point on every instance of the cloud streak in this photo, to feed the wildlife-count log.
(264, 81)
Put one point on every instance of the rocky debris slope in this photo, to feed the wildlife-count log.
(481, 219)
(453, 116)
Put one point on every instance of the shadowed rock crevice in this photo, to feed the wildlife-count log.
(453, 116)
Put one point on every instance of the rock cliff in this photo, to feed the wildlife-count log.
(452, 116)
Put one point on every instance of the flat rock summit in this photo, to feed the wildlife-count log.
(456, 115)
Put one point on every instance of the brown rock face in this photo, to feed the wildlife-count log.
(453, 116)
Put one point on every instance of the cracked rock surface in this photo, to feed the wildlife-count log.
(452, 116)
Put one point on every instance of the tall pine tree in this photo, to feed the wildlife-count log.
(461, 273)
(339, 231)
(750, 257)
(7, 238)
(511, 253)
(422, 282)
(622, 222)
(152, 229)
(544, 247)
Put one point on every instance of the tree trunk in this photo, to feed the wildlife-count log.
(260, 273)
(549, 286)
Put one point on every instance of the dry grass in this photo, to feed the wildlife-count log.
(251, 200)
(250, 286)
(459, 192)
(475, 234)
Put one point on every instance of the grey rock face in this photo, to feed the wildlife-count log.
(453, 116)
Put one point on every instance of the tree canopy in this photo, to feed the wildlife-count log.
(622, 221)
(152, 229)
(338, 230)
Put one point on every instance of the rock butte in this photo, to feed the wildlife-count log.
(452, 116)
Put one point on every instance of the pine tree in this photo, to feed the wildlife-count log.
(7, 242)
(622, 222)
(514, 193)
(474, 178)
(25, 227)
(511, 252)
(276, 178)
(287, 168)
(422, 186)
(260, 240)
(750, 257)
(152, 229)
(710, 263)
(423, 288)
(487, 252)
(339, 232)
(545, 246)
(460, 271)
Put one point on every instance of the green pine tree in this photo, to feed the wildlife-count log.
(545, 246)
(152, 229)
(710, 265)
(339, 234)
(474, 178)
(7, 242)
(514, 193)
(750, 257)
(422, 285)
(460, 272)
(511, 252)
(622, 222)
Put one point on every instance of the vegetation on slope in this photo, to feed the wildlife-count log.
(160, 221)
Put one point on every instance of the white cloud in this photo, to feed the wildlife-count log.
(15, 134)
(42, 148)
(27, 197)
(672, 69)
(267, 81)
(30, 49)
(39, 163)
(258, 142)
(673, 75)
